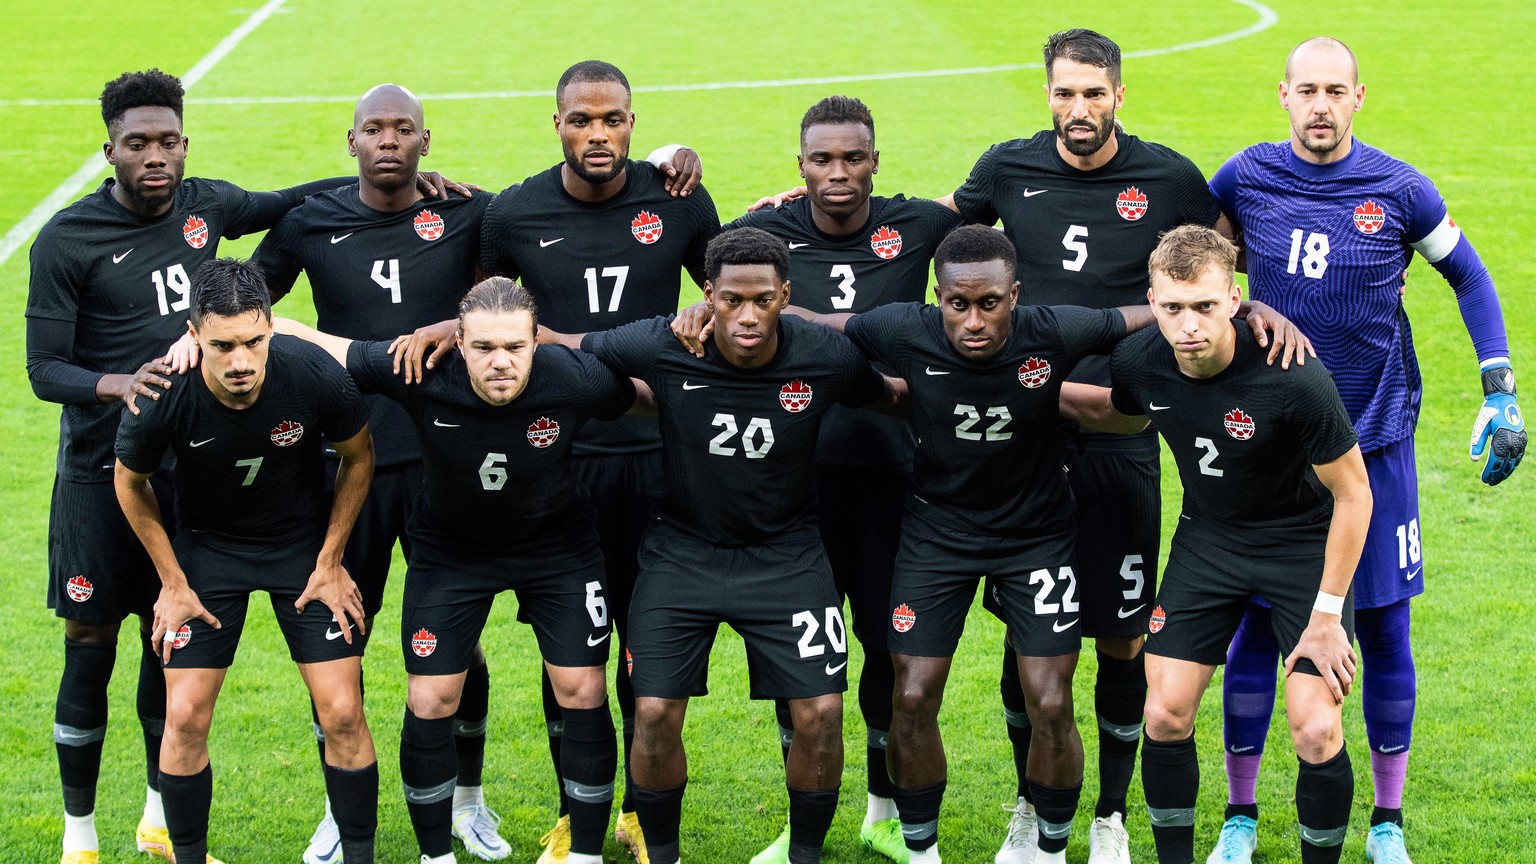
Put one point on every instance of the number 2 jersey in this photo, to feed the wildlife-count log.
(1327, 246)
(377, 275)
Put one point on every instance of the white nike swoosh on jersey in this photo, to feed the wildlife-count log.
(595, 642)
(1030, 193)
(932, 371)
(1182, 516)
(1158, 407)
(687, 386)
(332, 635)
(833, 670)
(198, 443)
(338, 238)
(798, 245)
(117, 258)
(436, 422)
(1126, 613)
(1413, 574)
(543, 242)
(1062, 628)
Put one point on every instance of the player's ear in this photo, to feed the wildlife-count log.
(426, 141)
(784, 296)
(799, 161)
(1359, 96)
(1013, 295)
(352, 143)
(875, 159)
(1284, 96)
(1119, 97)
(109, 151)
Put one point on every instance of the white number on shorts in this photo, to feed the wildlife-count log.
(1315, 263)
(176, 278)
(844, 272)
(1209, 447)
(597, 607)
(388, 281)
(1408, 549)
(1130, 571)
(619, 275)
(971, 416)
(757, 440)
(1073, 244)
(837, 634)
(492, 475)
(251, 466)
(1048, 584)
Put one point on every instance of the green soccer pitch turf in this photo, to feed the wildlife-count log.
(1446, 91)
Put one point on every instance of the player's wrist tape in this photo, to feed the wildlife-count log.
(1498, 377)
(1328, 604)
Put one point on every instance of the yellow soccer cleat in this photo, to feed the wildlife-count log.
(80, 856)
(155, 842)
(626, 830)
(557, 843)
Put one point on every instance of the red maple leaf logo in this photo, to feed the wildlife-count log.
(543, 432)
(1131, 204)
(195, 231)
(1239, 424)
(1158, 620)
(903, 618)
(1369, 217)
(423, 642)
(629, 662)
(795, 396)
(1034, 373)
(287, 433)
(646, 227)
(183, 636)
(428, 225)
(79, 588)
(886, 242)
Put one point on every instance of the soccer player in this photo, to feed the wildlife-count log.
(253, 514)
(1329, 224)
(1084, 204)
(601, 240)
(501, 509)
(1276, 505)
(110, 288)
(383, 260)
(735, 538)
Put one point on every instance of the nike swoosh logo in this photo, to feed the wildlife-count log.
(1413, 574)
(1126, 613)
(332, 635)
(445, 425)
(543, 243)
(117, 258)
(198, 443)
(1030, 193)
(338, 238)
(1242, 749)
(932, 371)
(592, 643)
(798, 245)
(833, 670)
(687, 386)
(1394, 749)
(1182, 516)
(1062, 628)
(72, 736)
(1158, 407)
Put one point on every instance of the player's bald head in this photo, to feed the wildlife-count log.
(1325, 49)
(388, 99)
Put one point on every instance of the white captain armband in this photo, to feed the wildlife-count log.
(1440, 242)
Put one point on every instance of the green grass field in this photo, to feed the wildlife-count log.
(1445, 92)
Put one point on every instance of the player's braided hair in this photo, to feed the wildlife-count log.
(746, 246)
(973, 244)
(835, 110)
(152, 88)
(1186, 252)
(590, 71)
(497, 294)
(1084, 46)
(227, 287)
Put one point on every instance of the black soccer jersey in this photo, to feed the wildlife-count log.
(257, 472)
(1245, 439)
(1084, 237)
(376, 275)
(737, 444)
(123, 283)
(595, 265)
(885, 261)
(498, 475)
(989, 434)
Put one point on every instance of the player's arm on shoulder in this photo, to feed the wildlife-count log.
(336, 346)
(682, 166)
(1091, 407)
(1136, 317)
(421, 349)
(1283, 338)
(631, 349)
(1324, 640)
(249, 212)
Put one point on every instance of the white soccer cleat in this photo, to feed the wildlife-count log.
(475, 827)
(325, 844)
(1108, 841)
(1022, 842)
(1239, 837)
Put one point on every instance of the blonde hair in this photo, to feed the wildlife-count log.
(1187, 251)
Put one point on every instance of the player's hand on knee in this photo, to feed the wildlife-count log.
(409, 350)
(434, 185)
(778, 200)
(177, 605)
(1499, 429)
(331, 585)
(1325, 643)
(1285, 339)
(183, 355)
(693, 327)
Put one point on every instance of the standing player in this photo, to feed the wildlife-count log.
(735, 537)
(493, 518)
(1084, 204)
(1330, 224)
(600, 240)
(252, 511)
(1256, 448)
(383, 260)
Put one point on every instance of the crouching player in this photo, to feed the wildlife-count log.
(1276, 505)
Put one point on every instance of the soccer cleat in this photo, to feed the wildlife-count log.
(475, 827)
(1239, 836)
(885, 837)
(1108, 841)
(556, 842)
(777, 851)
(1021, 844)
(80, 856)
(156, 842)
(1384, 845)
(324, 845)
(626, 831)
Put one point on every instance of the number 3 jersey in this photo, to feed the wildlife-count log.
(738, 444)
(256, 472)
(989, 437)
(1245, 439)
(377, 275)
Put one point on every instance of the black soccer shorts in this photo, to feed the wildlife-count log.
(224, 571)
(98, 571)
(779, 596)
(1119, 517)
(386, 511)
(859, 514)
(1206, 588)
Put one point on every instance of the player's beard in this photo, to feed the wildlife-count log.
(1321, 148)
(144, 200)
(597, 178)
(1101, 133)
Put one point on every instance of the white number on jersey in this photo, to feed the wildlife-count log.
(757, 440)
(971, 416)
(1209, 447)
(388, 281)
(492, 475)
(619, 275)
(597, 607)
(1316, 261)
(1048, 584)
(844, 272)
(837, 634)
(176, 280)
(1130, 571)
(1409, 551)
(251, 466)
(1073, 244)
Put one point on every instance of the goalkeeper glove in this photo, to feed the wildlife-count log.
(1499, 422)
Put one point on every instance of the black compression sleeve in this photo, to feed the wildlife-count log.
(49, 354)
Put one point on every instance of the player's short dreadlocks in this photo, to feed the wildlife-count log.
(973, 244)
(746, 246)
(148, 89)
(1084, 46)
(227, 287)
(497, 294)
(835, 110)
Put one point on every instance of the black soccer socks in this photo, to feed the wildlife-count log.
(1015, 717)
(810, 817)
(554, 726)
(469, 724)
(354, 794)
(876, 681)
(1054, 808)
(919, 809)
(589, 759)
(1119, 694)
(661, 814)
(1324, 793)
(187, 799)
(427, 767)
(151, 707)
(80, 721)
(786, 720)
(1170, 774)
